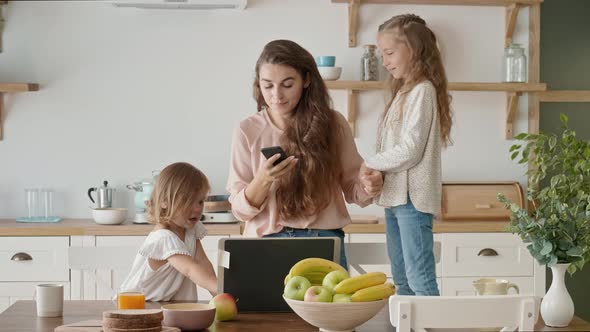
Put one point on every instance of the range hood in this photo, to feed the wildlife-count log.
(182, 4)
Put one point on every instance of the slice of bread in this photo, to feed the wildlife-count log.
(136, 323)
(134, 313)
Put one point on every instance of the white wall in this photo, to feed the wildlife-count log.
(127, 91)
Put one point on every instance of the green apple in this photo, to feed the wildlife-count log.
(342, 298)
(318, 294)
(333, 278)
(296, 287)
(225, 307)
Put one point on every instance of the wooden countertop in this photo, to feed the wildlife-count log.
(21, 317)
(361, 224)
(67, 227)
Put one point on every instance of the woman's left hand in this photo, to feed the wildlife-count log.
(371, 180)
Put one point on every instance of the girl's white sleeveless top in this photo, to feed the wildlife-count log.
(165, 283)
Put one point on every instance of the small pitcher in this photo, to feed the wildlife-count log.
(493, 286)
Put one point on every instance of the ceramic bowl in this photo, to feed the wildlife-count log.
(188, 316)
(330, 73)
(110, 216)
(325, 60)
(336, 316)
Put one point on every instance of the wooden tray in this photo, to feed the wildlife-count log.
(96, 326)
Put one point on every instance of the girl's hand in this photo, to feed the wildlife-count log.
(371, 180)
(267, 173)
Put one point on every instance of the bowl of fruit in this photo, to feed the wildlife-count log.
(323, 294)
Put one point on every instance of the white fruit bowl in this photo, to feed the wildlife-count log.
(109, 216)
(336, 317)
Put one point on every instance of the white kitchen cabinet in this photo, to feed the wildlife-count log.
(386, 266)
(26, 261)
(34, 258)
(11, 292)
(462, 258)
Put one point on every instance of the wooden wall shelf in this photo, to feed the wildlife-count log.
(565, 96)
(13, 87)
(513, 91)
(512, 9)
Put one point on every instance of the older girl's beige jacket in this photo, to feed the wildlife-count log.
(409, 151)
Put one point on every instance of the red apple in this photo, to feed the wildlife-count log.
(225, 305)
(318, 294)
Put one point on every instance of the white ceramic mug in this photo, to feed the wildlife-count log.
(492, 286)
(50, 300)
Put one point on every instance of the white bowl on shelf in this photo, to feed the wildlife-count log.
(109, 216)
(330, 73)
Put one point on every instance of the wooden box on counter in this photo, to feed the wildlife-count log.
(478, 200)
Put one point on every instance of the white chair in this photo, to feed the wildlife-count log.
(93, 259)
(462, 312)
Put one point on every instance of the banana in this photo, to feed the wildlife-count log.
(312, 265)
(353, 284)
(373, 293)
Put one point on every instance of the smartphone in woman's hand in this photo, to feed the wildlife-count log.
(271, 151)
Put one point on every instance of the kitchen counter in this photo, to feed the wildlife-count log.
(361, 224)
(21, 316)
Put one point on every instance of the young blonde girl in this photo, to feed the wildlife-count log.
(414, 128)
(171, 261)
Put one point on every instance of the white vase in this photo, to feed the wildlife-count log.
(557, 307)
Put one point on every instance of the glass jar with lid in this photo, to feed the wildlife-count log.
(369, 64)
(514, 64)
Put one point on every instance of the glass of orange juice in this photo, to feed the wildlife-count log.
(131, 299)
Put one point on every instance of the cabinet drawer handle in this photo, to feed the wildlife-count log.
(483, 206)
(21, 256)
(487, 252)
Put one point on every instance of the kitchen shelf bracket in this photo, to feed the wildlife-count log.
(12, 87)
(353, 19)
(511, 15)
(2, 3)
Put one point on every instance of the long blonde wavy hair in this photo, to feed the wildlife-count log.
(425, 64)
(312, 135)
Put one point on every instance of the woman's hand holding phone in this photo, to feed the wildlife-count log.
(273, 168)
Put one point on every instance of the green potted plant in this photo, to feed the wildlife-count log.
(557, 230)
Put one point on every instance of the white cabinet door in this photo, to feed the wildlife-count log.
(34, 258)
(485, 254)
(11, 292)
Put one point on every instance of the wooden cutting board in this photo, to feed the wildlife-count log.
(96, 326)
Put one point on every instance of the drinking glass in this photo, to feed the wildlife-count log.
(32, 202)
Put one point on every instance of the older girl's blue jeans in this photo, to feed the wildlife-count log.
(310, 232)
(409, 246)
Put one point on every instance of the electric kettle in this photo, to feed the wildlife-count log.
(104, 196)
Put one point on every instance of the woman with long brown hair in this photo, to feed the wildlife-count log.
(303, 195)
(414, 128)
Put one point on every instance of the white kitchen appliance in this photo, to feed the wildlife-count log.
(143, 190)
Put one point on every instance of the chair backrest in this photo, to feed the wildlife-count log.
(95, 258)
(454, 312)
